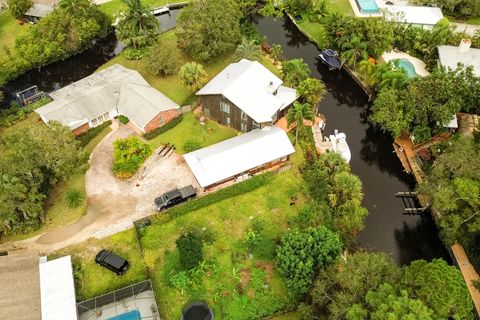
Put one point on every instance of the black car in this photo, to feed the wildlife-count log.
(111, 261)
(174, 197)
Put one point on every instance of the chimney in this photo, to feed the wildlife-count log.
(464, 46)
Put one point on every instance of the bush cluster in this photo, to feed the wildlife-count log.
(128, 156)
(191, 145)
(16, 113)
(123, 119)
(170, 125)
(88, 136)
(190, 248)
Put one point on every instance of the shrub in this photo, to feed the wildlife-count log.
(191, 145)
(169, 125)
(193, 75)
(131, 53)
(162, 61)
(190, 249)
(251, 238)
(88, 136)
(295, 71)
(17, 8)
(123, 119)
(129, 154)
(74, 198)
(301, 254)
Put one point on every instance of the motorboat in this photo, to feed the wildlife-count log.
(330, 58)
(339, 145)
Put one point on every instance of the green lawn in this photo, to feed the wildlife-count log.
(171, 86)
(190, 129)
(341, 6)
(471, 20)
(232, 282)
(314, 30)
(116, 5)
(9, 31)
(92, 280)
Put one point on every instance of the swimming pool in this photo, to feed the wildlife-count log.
(368, 6)
(406, 65)
(131, 315)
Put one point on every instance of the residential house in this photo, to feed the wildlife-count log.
(105, 95)
(422, 17)
(245, 96)
(40, 8)
(240, 157)
(34, 288)
(451, 56)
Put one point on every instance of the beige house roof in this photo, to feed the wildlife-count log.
(20, 287)
(114, 88)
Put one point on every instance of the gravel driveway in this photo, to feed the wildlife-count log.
(114, 204)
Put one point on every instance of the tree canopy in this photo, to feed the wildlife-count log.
(208, 28)
(138, 26)
(295, 71)
(33, 160)
(301, 254)
(17, 8)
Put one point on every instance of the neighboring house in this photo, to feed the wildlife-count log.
(423, 17)
(245, 96)
(105, 95)
(33, 288)
(40, 8)
(451, 56)
(239, 157)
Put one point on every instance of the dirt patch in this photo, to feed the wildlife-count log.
(268, 267)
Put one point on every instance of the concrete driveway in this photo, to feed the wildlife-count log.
(114, 204)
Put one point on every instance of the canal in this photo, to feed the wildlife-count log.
(403, 237)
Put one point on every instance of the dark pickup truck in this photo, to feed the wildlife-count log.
(174, 197)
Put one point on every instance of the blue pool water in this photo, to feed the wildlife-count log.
(368, 6)
(407, 66)
(132, 315)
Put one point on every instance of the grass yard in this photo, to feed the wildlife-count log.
(237, 282)
(9, 31)
(171, 86)
(314, 30)
(116, 5)
(472, 20)
(190, 129)
(57, 211)
(341, 6)
(92, 280)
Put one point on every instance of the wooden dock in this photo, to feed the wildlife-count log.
(469, 273)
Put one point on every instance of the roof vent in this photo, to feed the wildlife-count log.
(464, 46)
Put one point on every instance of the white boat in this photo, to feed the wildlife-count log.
(339, 145)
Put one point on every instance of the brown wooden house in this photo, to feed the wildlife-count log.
(245, 96)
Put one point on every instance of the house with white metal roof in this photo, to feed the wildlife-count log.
(423, 17)
(451, 56)
(245, 96)
(105, 95)
(34, 288)
(239, 157)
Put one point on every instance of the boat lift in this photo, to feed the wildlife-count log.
(409, 201)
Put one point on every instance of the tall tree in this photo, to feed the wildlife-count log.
(354, 49)
(74, 6)
(300, 255)
(295, 71)
(207, 28)
(297, 114)
(441, 287)
(137, 26)
(248, 49)
(193, 75)
(312, 90)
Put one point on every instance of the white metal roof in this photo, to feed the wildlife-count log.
(115, 87)
(413, 14)
(239, 154)
(57, 290)
(449, 57)
(39, 10)
(251, 87)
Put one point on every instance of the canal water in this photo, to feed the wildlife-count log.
(403, 237)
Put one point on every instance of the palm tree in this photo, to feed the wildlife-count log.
(354, 49)
(395, 79)
(248, 49)
(138, 27)
(368, 69)
(193, 75)
(74, 6)
(298, 113)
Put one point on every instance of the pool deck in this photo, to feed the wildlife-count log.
(380, 3)
(417, 63)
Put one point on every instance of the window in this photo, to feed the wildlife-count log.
(244, 117)
(227, 121)
(161, 119)
(255, 124)
(243, 126)
(94, 122)
(206, 111)
(225, 107)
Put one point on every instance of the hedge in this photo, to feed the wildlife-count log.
(223, 194)
(86, 137)
(169, 125)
